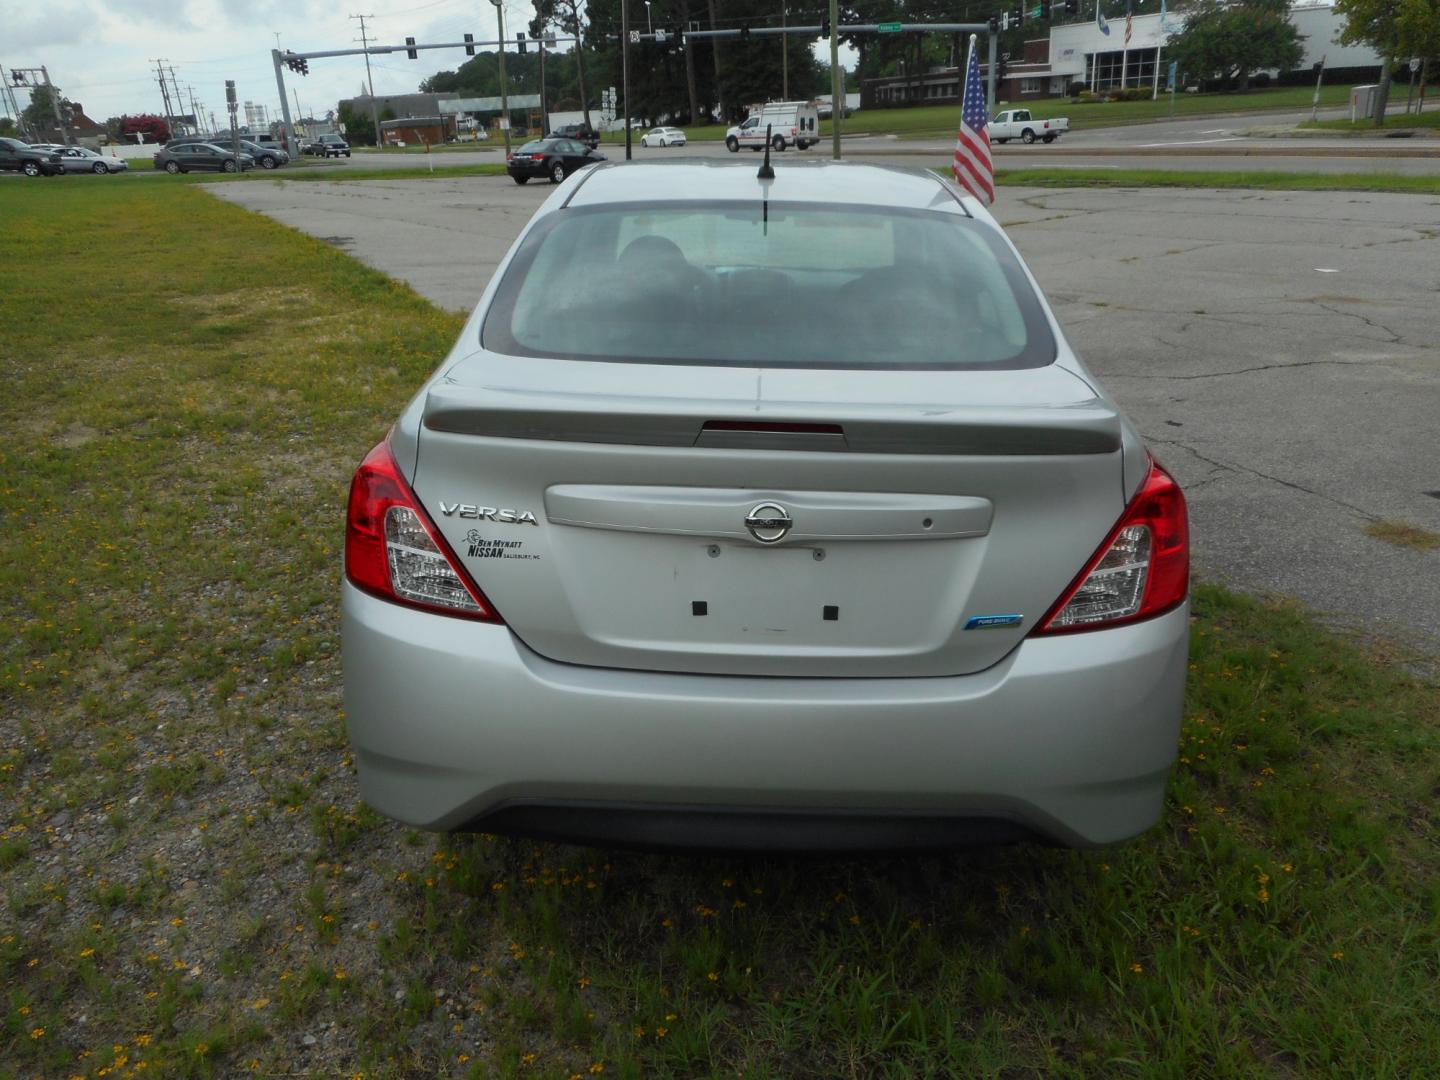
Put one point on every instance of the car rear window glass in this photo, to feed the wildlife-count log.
(777, 285)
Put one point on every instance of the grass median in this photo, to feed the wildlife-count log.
(192, 888)
(1256, 180)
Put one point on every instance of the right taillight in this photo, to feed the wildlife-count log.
(1141, 570)
(393, 550)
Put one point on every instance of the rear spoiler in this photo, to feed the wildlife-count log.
(1089, 428)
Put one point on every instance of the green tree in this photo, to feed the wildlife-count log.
(566, 18)
(1396, 29)
(359, 127)
(40, 113)
(1233, 40)
(7, 126)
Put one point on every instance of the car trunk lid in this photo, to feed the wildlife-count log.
(769, 522)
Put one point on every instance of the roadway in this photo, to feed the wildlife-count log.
(1249, 142)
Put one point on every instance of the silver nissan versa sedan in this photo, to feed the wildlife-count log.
(765, 513)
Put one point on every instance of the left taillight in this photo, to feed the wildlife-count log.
(394, 551)
(1141, 570)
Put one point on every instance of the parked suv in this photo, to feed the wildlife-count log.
(579, 132)
(328, 146)
(16, 156)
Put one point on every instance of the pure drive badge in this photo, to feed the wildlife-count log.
(488, 513)
(993, 622)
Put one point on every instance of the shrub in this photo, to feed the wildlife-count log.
(1077, 89)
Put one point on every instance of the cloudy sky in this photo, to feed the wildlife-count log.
(101, 53)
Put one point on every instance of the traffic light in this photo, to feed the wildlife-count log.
(1002, 64)
(1017, 15)
(1072, 7)
(825, 26)
(298, 64)
(994, 24)
(469, 48)
(520, 41)
(410, 52)
(18, 78)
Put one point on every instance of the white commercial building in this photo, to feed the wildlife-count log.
(1083, 52)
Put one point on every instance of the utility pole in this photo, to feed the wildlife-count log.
(55, 107)
(194, 107)
(715, 57)
(164, 96)
(7, 90)
(504, 84)
(837, 81)
(374, 111)
(179, 100)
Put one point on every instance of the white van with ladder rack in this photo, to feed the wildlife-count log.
(791, 123)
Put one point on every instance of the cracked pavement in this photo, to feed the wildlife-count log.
(1280, 351)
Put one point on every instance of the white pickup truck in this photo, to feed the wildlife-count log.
(1019, 124)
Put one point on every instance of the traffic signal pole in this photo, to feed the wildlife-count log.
(837, 81)
(290, 141)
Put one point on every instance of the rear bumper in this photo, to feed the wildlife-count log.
(459, 725)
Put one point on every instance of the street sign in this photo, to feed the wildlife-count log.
(634, 37)
(888, 28)
(1170, 75)
(1037, 11)
(1414, 64)
(660, 37)
(1005, 21)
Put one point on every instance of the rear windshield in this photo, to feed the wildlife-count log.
(783, 285)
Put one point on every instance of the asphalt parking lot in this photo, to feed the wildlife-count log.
(1277, 349)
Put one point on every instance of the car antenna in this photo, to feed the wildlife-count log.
(766, 172)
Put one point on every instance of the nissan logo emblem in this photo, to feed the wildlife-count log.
(768, 522)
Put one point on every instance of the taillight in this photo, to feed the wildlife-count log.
(537, 157)
(1141, 570)
(393, 550)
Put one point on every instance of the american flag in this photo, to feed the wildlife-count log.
(972, 166)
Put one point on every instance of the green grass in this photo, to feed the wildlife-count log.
(927, 121)
(305, 173)
(1258, 180)
(1393, 122)
(184, 861)
(932, 120)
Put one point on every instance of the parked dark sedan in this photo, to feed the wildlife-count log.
(16, 156)
(267, 157)
(555, 158)
(182, 157)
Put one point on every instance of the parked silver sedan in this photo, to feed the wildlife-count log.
(83, 159)
(765, 513)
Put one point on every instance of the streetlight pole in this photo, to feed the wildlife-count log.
(649, 26)
(625, 68)
(504, 88)
(784, 59)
